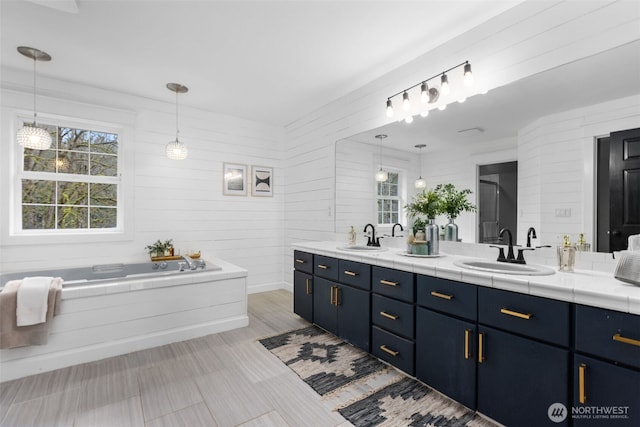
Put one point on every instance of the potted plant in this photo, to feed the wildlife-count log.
(427, 204)
(454, 202)
(160, 248)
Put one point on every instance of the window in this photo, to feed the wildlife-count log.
(74, 185)
(389, 201)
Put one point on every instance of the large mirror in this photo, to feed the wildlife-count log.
(548, 123)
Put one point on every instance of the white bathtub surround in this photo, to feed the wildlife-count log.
(586, 286)
(104, 320)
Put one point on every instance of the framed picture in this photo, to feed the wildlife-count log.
(261, 181)
(234, 179)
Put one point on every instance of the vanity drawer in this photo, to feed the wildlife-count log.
(609, 334)
(355, 274)
(447, 296)
(303, 261)
(393, 349)
(393, 283)
(327, 267)
(535, 317)
(393, 315)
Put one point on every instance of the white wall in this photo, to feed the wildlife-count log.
(181, 200)
(527, 39)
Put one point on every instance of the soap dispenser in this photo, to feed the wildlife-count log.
(582, 245)
(352, 236)
(566, 255)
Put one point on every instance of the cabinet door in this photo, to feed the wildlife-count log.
(519, 379)
(354, 308)
(446, 355)
(303, 295)
(604, 394)
(324, 311)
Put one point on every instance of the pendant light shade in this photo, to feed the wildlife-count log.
(30, 135)
(468, 75)
(420, 182)
(176, 150)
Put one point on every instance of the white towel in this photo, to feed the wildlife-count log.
(31, 304)
(634, 242)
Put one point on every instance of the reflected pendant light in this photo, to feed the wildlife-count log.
(381, 175)
(420, 182)
(176, 150)
(32, 136)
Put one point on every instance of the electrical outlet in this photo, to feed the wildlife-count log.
(563, 213)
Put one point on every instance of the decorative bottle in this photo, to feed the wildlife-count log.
(433, 236)
(451, 231)
(582, 245)
(566, 255)
(352, 236)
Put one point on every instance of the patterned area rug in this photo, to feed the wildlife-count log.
(330, 366)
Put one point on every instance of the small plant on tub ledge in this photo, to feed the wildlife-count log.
(160, 248)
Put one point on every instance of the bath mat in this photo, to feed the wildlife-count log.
(322, 360)
(329, 366)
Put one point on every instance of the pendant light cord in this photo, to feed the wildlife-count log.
(177, 127)
(34, 92)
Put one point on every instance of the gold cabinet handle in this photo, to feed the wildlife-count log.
(308, 282)
(322, 266)
(300, 261)
(331, 295)
(388, 283)
(388, 316)
(508, 312)
(481, 347)
(350, 273)
(388, 350)
(440, 295)
(582, 376)
(620, 338)
(337, 296)
(467, 355)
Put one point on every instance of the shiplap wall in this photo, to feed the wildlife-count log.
(181, 200)
(527, 39)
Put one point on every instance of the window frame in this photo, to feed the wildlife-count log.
(11, 216)
(401, 197)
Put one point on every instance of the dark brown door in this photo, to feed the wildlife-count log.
(624, 180)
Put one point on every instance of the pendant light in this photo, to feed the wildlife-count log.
(420, 182)
(31, 136)
(381, 175)
(176, 150)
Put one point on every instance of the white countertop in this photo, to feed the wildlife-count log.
(586, 287)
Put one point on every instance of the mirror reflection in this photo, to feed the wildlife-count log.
(548, 123)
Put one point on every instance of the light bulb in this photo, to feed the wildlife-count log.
(34, 137)
(425, 113)
(389, 108)
(424, 93)
(444, 85)
(408, 119)
(468, 75)
(420, 183)
(442, 107)
(176, 150)
(406, 104)
(381, 176)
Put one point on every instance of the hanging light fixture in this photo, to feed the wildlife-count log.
(468, 75)
(420, 182)
(381, 175)
(406, 104)
(389, 108)
(177, 150)
(444, 85)
(32, 136)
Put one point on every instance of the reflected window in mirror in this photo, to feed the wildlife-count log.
(390, 195)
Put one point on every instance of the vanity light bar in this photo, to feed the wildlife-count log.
(430, 95)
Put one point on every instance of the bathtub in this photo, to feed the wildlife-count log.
(113, 309)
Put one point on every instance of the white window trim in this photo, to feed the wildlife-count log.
(402, 197)
(11, 212)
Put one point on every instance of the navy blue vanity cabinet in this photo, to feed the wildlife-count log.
(303, 285)
(446, 337)
(343, 309)
(606, 368)
(523, 358)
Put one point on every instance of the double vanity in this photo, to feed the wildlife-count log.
(523, 345)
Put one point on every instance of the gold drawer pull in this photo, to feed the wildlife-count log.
(388, 316)
(388, 350)
(443, 296)
(388, 283)
(308, 286)
(620, 338)
(337, 296)
(481, 347)
(331, 296)
(467, 355)
(526, 316)
(322, 266)
(300, 261)
(582, 374)
(350, 273)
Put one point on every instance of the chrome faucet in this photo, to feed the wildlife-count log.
(371, 240)
(393, 230)
(531, 234)
(192, 265)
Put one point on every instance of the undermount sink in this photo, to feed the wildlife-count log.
(505, 267)
(361, 248)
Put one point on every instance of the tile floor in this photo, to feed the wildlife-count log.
(226, 379)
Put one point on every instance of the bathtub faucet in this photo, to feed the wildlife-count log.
(192, 265)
